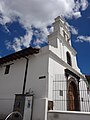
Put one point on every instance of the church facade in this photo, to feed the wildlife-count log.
(50, 73)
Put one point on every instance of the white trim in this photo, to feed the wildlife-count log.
(55, 35)
(60, 61)
(69, 112)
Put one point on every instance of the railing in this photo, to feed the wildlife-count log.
(70, 95)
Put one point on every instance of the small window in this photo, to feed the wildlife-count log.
(28, 104)
(88, 90)
(7, 69)
(61, 92)
(68, 39)
(64, 34)
(82, 99)
(50, 105)
(68, 58)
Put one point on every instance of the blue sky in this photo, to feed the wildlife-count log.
(27, 23)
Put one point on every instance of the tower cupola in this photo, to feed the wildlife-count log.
(61, 27)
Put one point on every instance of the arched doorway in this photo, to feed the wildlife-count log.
(73, 98)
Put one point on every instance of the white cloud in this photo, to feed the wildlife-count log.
(6, 14)
(83, 38)
(72, 29)
(19, 42)
(81, 4)
(41, 36)
(84, 4)
(39, 13)
(77, 14)
(88, 17)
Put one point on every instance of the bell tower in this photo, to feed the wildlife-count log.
(60, 43)
(63, 66)
(61, 27)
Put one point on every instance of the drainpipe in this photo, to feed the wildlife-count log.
(25, 75)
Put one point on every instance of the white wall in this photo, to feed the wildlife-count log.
(56, 69)
(12, 83)
(58, 47)
(65, 115)
(84, 96)
(40, 109)
(73, 59)
(38, 65)
(57, 82)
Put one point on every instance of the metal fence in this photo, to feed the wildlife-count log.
(67, 97)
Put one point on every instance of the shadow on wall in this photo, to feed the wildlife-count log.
(2, 116)
(68, 115)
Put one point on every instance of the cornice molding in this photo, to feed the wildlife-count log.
(55, 35)
(60, 61)
(73, 51)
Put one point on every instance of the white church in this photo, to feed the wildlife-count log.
(34, 81)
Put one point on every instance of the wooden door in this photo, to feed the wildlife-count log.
(71, 98)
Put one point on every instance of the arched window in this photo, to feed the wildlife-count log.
(68, 58)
